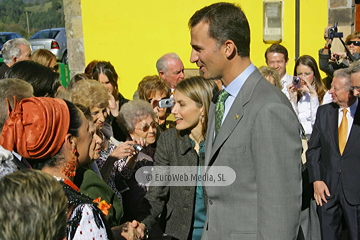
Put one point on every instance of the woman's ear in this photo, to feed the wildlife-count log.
(132, 135)
(70, 142)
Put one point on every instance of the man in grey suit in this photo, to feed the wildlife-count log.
(258, 138)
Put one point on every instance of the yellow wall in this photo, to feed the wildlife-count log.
(134, 34)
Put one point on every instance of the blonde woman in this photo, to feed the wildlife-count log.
(271, 75)
(45, 58)
(182, 146)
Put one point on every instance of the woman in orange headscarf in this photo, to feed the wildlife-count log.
(55, 136)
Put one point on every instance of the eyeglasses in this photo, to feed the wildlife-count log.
(356, 43)
(146, 127)
(354, 88)
(55, 68)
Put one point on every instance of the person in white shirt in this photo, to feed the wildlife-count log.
(276, 56)
(309, 94)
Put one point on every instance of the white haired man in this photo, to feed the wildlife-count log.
(170, 69)
(14, 50)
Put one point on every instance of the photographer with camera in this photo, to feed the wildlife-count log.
(307, 92)
(329, 62)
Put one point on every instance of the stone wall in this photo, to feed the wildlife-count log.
(343, 12)
(74, 34)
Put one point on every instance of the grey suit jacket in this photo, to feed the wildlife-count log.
(175, 203)
(260, 140)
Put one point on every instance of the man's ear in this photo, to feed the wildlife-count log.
(287, 61)
(162, 75)
(230, 49)
(14, 60)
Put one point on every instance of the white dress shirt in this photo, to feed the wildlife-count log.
(285, 81)
(306, 109)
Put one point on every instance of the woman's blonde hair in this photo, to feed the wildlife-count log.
(90, 93)
(43, 57)
(269, 71)
(201, 91)
(352, 35)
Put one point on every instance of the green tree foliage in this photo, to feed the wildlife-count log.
(13, 16)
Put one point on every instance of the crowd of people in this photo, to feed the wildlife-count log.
(69, 157)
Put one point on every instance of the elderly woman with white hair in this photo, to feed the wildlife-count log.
(139, 119)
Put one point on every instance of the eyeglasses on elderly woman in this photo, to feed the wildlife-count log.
(146, 127)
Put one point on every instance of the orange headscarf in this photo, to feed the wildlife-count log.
(36, 127)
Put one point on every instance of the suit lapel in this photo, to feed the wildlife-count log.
(355, 130)
(232, 119)
(333, 123)
(210, 133)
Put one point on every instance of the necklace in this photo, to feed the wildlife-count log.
(68, 182)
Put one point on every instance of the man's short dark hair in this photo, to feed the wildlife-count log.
(226, 22)
(277, 48)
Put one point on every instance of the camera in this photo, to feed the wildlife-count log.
(166, 103)
(138, 147)
(333, 32)
(296, 82)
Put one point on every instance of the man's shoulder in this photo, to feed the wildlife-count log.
(327, 107)
(3, 69)
(266, 92)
